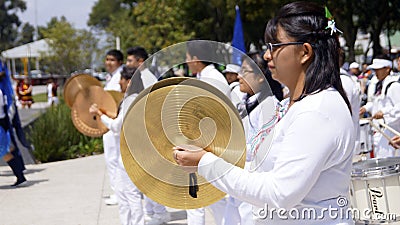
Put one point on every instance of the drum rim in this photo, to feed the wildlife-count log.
(377, 171)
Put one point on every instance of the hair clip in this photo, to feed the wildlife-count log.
(331, 22)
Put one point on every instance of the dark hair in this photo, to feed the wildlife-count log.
(382, 56)
(138, 52)
(306, 22)
(342, 57)
(201, 49)
(135, 76)
(275, 86)
(117, 54)
(127, 73)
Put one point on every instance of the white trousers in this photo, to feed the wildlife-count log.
(238, 213)
(111, 154)
(197, 216)
(129, 200)
(151, 207)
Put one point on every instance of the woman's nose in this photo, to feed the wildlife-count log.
(267, 55)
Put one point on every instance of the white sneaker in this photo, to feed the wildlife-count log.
(112, 200)
(158, 218)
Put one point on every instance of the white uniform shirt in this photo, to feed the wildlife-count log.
(236, 94)
(113, 83)
(213, 77)
(308, 163)
(115, 125)
(11, 110)
(50, 90)
(353, 92)
(148, 78)
(253, 122)
(389, 104)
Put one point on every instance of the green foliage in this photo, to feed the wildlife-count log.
(9, 22)
(155, 24)
(26, 35)
(72, 49)
(149, 22)
(55, 137)
(42, 97)
(100, 16)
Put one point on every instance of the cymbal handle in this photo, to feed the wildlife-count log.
(193, 187)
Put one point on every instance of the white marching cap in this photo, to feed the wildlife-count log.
(380, 63)
(354, 65)
(231, 68)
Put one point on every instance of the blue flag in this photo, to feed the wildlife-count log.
(238, 39)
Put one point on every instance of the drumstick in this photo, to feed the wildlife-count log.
(389, 128)
(380, 131)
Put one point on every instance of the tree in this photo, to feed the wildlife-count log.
(344, 14)
(102, 11)
(378, 16)
(26, 34)
(155, 24)
(9, 22)
(71, 49)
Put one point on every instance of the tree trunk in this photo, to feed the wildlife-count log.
(377, 48)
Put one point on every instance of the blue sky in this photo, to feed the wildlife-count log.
(76, 11)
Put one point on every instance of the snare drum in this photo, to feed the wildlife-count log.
(366, 137)
(375, 190)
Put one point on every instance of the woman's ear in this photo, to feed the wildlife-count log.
(307, 53)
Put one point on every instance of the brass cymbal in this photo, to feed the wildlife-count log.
(175, 112)
(117, 96)
(77, 83)
(85, 122)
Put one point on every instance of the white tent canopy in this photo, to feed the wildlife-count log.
(30, 50)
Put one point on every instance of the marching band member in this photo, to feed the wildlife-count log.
(196, 55)
(308, 163)
(385, 105)
(128, 195)
(113, 64)
(155, 213)
(254, 112)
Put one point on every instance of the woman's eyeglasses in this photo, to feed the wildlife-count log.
(271, 46)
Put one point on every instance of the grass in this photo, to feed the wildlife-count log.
(42, 97)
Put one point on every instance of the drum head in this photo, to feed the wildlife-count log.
(376, 167)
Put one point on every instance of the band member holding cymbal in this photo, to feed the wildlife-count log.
(128, 195)
(113, 63)
(309, 160)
